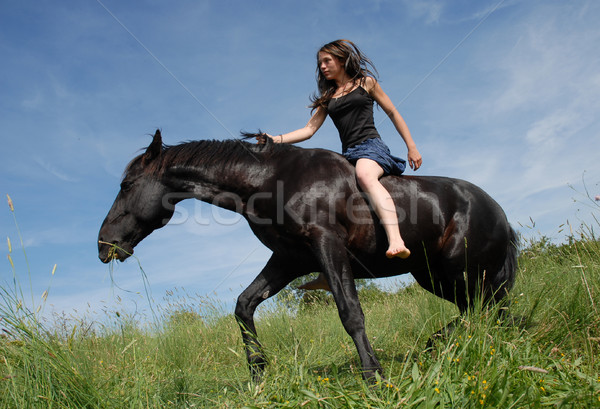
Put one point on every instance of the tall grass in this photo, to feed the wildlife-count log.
(544, 353)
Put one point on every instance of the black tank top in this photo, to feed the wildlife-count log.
(352, 115)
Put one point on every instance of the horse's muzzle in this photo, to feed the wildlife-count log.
(108, 252)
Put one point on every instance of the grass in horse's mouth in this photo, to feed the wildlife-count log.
(113, 256)
(112, 253)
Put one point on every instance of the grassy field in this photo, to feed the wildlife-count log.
(545, 354)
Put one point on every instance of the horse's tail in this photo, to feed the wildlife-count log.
(505, 278)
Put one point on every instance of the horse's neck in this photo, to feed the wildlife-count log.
(222, 185)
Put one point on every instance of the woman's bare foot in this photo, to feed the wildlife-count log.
(320, 283)
(398, 251)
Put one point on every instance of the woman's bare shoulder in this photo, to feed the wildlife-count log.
(369, 84)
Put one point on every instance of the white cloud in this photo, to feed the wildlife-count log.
(430, 10)
(550, 132)
(54, 170)
(551, 63)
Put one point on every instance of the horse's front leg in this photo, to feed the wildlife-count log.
(274, 276)
(331, 252)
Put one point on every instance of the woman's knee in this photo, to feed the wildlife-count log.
(368, 173)
(365, 180)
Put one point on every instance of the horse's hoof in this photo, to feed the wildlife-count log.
(373, 377)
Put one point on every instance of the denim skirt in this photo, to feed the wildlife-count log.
(375, 149)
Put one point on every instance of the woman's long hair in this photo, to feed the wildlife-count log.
(356, 64)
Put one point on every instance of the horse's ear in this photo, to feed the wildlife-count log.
(155, 148)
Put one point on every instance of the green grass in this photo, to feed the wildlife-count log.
(544, 354)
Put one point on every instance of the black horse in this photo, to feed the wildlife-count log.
(305, 205)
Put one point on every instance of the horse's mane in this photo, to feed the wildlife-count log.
(207, 153)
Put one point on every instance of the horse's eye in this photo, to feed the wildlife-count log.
(125, 186)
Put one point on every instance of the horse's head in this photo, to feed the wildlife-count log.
(140, 207)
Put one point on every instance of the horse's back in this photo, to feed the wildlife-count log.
(445, 198)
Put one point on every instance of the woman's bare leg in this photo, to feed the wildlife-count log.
(368, 173)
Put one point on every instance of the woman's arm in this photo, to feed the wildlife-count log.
(375, 90)
(304, 133)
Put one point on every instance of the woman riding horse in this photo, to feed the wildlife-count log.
(347, 91)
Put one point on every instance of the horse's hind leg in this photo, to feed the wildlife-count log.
(450, 286)
(274, 276)
(469, 290)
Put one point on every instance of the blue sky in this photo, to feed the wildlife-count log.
(501, 93)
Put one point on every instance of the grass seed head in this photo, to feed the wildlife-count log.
(10, 203)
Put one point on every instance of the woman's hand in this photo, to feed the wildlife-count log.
(414, 159)
(261, 138)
